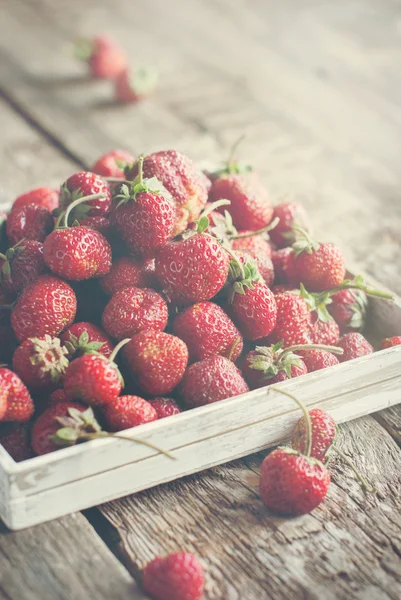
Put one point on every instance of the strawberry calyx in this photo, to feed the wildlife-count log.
(79, 346)
(232, 167)
(144, 80)
(128, 191)
(83, 49)
(10, 254)
(50, 357)
(303, 241)
(241, 276)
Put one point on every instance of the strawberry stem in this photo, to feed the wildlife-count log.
(360, 478)
(235, 259)
(140, 169)
(234, 148)
(215, 205)
(269, 227)
(354, 284)
(332, 349)
(233, 347)
(306, 417)
(118, 348)
(3, 256)
(77, 202)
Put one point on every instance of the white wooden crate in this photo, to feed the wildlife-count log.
(79, 477)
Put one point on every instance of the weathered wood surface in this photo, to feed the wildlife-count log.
(313, 84)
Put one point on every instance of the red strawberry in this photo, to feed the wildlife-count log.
(79, 186)
(132, 310)
(46, 306)
(179, 175)
(128, 411)
(113, 163)
(105, 57)
(99, 223)
(390, 342)
(293, 320)
(157, 361)
(128, 271)
(131, 87)
(348, 308)
(56, 396)
(178, 576)
(194, 268)
(43, 196)
(23, 264)
(40, 362)
(266, 365)
(16, 403)
(207, 330)
(144, 217)
(86, 338)
(30, 222)
(354, 346)
(324, 331)
(324, 431)
(165, 407)
(284, 266)
(77, 253)
(292, 484)
(210, 380)
(260, 250)
(318, 359)
(288, 213)
(15, 438)
(46, 426)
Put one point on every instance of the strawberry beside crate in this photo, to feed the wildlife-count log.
(162, 291)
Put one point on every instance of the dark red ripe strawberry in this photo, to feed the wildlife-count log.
(288, 213)
(40, 362)
(324, 332)
(56, 396)
(83, 184)
(132, 310)
(15, 438)
(84, 338)
(318, 359)
(348, 308)
(293, 324)
(77, 253)
(46, 426)
(179, 576)
(390, 342)
(354, 346)
(128, 411)
(260, 250)
(43, 196)
(284, 267)
(131, 87)
(46, 306)
(207, 330)
(292, 484)
(321, 269)
(157, 361)
(30, 222)
(254, 311)
(210, 380)
(250, 206)
(264, 366)
(185, 182)
(165, 407)
(105, 57)
(128, 271)
(93, 379)
(324, 431)
(16, 403)
(99, 223)
(25, 263)
(112, 164)
(193, 269)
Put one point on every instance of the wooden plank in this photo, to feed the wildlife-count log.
(391, 421)
(63, 560)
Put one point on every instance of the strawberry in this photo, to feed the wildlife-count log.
(113, 164)
(288, 214)
(266, 365)
(46, 306)
(104, 56)
(178, 576)
(23, 264)
(15, 439)
(179, 175)
(132, 87)
(46, 426)
(324, 430)
(99, 223)
(56, 396)
(16, 403)
(319, 267)
(259, 249)
(128, 271)
(348, 308)
(251, 304)
(157, 361)
(293, 320)
(86, 338)
(144, 217)
(132, 310)
(194, 267)
(40, 362)
(207, 330)
(210, 380)
(128, 411)
(324, 331)
(77, 253)
(84, 185)
(284, 266)
(390, 342)
(318, 359)
(354, 346)
(30, 222)
(43, 196)
(292, 484)
(165, 407)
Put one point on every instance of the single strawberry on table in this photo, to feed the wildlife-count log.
(85, 338)
(128, 411)
(128, 271)
(22, 264)
(29, 222)
(165, 407)
(43, 196)
(41, 362)
(324, 431)
(16, 403)
(178, 576)
(134, 86)
(89, 193)
(112, 164)
(104, 56)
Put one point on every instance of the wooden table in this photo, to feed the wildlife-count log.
(315, 87)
